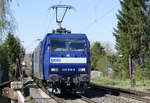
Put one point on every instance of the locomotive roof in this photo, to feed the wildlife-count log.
(66, 35)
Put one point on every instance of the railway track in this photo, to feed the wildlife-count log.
(5, 83)
(127, 93)
(87, 100)
(76, 98)
(61, 99)
(139, 98)
(58, 100)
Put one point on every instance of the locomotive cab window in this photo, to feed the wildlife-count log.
(77, 45)
(58, 45)
(68, 44)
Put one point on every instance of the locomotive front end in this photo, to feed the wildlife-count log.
(62, 59)
(69, 61)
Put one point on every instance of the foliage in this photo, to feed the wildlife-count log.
(96, 52)
(132, 33)
(4, 62)
(13, 48)
(10, 47)
(11, 52)
(119, 66)
(132, 39)
(109, 64)
(101, 65)
(12, 70)
(122, 83)
(111, 82)
(30, 99)
(138, 75)
(147, 72)
(6, 19)
(132, 27)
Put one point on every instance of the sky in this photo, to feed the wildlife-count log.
(95, 18)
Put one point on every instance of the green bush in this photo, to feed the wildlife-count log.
(138, 75)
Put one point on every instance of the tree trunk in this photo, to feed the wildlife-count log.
(131, 71)
(142, 62)
(17, 72)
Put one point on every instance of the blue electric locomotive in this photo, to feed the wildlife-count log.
(62, 61)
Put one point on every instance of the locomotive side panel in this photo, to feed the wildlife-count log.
(37, 73)
(46, 59)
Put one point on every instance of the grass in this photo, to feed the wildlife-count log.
(123, 83)
(30, 100)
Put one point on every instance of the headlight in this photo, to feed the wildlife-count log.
(54, 69)
(81, 69)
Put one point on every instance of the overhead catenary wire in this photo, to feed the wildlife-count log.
(50, 18)
(101, 17)
(96, 7)
(48, 24)
(60, 2)
(31, 46)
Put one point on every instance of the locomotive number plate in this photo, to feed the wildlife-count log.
(68, 69)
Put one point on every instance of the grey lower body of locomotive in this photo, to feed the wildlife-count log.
(71, 81)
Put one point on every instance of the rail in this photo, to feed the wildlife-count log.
(61, 100)
(87, 100)
(58, 100)
(5, 83)
(137, 95)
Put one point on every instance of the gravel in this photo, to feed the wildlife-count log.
(115, 99)
(98, 96)
(39, 97)
(104, 97)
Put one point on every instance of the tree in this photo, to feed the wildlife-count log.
(119, 66)
(132, 34)
(11, 56)
(148, 69)
(4, 62)
(15, 53)
(10, 48)
(13, 48)
(96, 52)
(6, 19)
(102, 65)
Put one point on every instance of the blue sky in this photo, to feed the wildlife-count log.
(96, 18)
